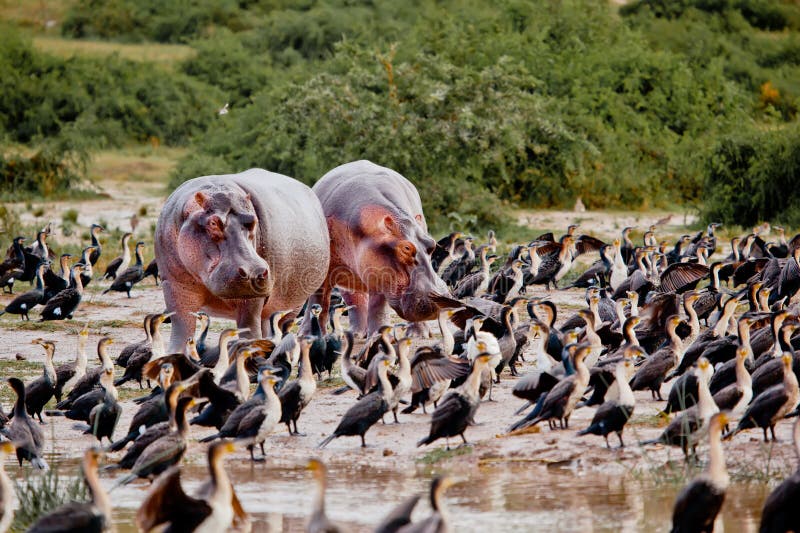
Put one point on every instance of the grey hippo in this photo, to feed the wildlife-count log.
(380, 247)
(240, 246)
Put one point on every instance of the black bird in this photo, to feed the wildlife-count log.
(96, 248)
(698, 504)
(612, 416)
(64, 304)
(26, 434)
(124, 282)
(119, 264)
(165, 451)
(297, 394)
(457, 408)
(55, 283)
(104, 416)
(91, 378)
(88, 517)
(318, 347)
(39, 391)
(23, 303)
(366, 411)
(781, 512)
(215, 506)
(13, 267)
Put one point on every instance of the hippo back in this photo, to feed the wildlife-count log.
(344, 190)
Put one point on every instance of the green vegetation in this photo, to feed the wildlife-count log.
(484, 106)
(40, 494)
(442, 454)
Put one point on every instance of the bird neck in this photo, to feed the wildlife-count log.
(139, 258)
(694, 321)
(717, 473)
(99, 494)
(19, 405)
(39, 279)
(224, 360)
(630, 336)
(582, 371)
(102, 353)
(49, 369)
(319, 495)
(626, 396)
(336, 320)
(111, 391)
(473, 383)
(386, 385)
(316, 330)
(157, 343)
(705, 402)
(743, 378)
(448, 342)
(715, 279)
(306, 372)
(242, 379)
(80, 359)
(78, 283)
(620, 310)
(790, 383)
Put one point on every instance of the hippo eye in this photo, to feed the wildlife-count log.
(248, 221)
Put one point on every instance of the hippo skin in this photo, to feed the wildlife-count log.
(239, 246)
(380, 247)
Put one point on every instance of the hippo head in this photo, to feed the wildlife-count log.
(396, 262)
(218, 241)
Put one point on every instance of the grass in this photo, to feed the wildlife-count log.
(40, 494)
(160, 55)
(442, 454)
(40, 15)
(135, 164)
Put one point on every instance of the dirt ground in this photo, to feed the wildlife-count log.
(391, 446)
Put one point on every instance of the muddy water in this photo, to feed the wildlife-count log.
(509, 497)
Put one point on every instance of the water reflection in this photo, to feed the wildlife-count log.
(498, 498)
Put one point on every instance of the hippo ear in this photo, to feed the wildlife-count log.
(201, 199)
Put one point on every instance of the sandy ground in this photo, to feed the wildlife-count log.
(391, 446)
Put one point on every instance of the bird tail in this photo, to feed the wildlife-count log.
(120, 381)
(210, 438)
(121, 443)
(423, 442)
(584, 432)
(2, 312)
(55, 412)
(327, 440)
(522, 409)
(410, 409)
(341, 390)
(40, 464)
(124, 481)
(650, 441)
(729, 435)
(525, 423)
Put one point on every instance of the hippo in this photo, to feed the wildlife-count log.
(380, 247)
(240, 246)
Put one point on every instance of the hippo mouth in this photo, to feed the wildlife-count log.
(237, 284)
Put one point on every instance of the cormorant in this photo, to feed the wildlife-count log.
(124, 282)
(780, 513)
(612, 416)
(39, 391)
(319, 522)
(26, 434)
(457, 408)
(772, 405)
(656, 367)
(89, 517)
(366, 411)
(23, 303)
(215, 506)
(64, 304)
(104, 416)
(698, 504)
(261, 419)
(120, 263)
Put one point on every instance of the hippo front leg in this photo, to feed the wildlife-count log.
(182, 301)
(248, 315)
(357, 316)
(378, 312)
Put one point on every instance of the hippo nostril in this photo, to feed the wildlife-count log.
(242, 273)
(263, 275)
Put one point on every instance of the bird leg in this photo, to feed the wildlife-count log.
(363, 442)
(772, 430)
(394, 412)
(621, 443)
(296, 431)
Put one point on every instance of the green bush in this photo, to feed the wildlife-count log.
(154, 20)
(753, 177)
(106, 101)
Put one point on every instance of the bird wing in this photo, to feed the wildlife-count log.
(697, 506)
(679, 276)
(468, 285)
(59, 301)
(426, 372)
(449, 406)
(250, 424)
(587, 243)
(167, 502)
